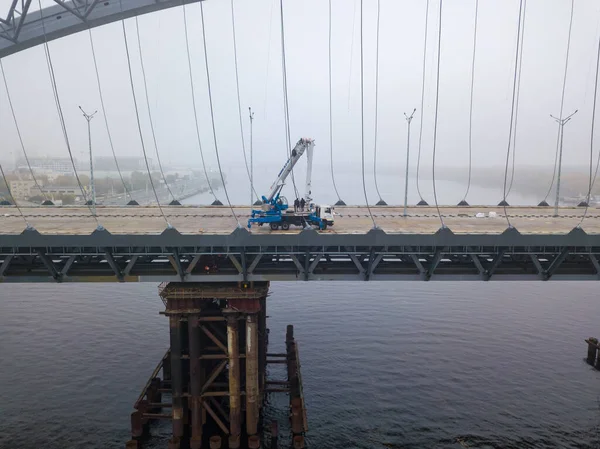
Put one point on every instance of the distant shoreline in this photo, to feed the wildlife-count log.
(532, 181)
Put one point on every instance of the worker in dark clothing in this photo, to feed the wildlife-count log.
(296, 205)
(302, 204)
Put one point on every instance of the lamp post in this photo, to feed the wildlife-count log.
(251, 160)
(408, 120)
(561, 123)
(88, 118)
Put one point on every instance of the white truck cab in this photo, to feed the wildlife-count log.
(325, 213)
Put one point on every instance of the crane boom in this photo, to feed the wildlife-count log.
(309, 163)
(275, 212)
(303, 145)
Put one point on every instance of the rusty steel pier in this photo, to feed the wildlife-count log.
(213, 383)
(593, 353)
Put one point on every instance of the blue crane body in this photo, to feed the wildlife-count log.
(275, 210)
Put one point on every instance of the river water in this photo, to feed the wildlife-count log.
(385, 365)
(349, 183)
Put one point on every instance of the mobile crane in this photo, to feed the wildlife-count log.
(274, 210)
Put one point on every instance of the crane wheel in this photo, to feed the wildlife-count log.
(285, 226)
(274, 226)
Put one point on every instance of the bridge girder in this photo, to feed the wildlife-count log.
(22, 28)
(308, 256)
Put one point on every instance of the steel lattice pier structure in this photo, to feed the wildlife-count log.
(213, 378)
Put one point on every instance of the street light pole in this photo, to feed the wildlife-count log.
(561, 123)
(251, 160)
(408, 120)
(88, 118)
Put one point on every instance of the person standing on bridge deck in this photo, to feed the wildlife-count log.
(302, 204)
(296, 205)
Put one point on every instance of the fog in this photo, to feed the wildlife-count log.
(306, 32)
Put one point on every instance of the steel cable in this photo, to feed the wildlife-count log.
(422, 100)
(286, 108)
(362, 115)
(109, 134)
(331, 113)
(61, 116)
(598, 160)
(590, 65)
(596, 171)
(562, 99)
(471, 100)
(27, 225)
(212, 114)
(376, 101)
(514, 148)
(268, 59)
(14, 116)
(351, 54)
(137, 116)
(512, 113)
(237, 86)
(189, 60)
(139, 41)
(435, 122)
(592, 180)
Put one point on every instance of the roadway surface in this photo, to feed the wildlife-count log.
(348, 220)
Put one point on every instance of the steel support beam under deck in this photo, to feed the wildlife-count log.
(307, 256)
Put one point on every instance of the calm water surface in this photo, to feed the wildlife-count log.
(385, 365)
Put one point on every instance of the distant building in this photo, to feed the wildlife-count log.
(57, 165)
(53, 190)
(22, 189)
(127, 163)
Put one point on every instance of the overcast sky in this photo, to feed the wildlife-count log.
(306, 28)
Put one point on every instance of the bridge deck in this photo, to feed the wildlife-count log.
(349, 220)
(207, 247)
